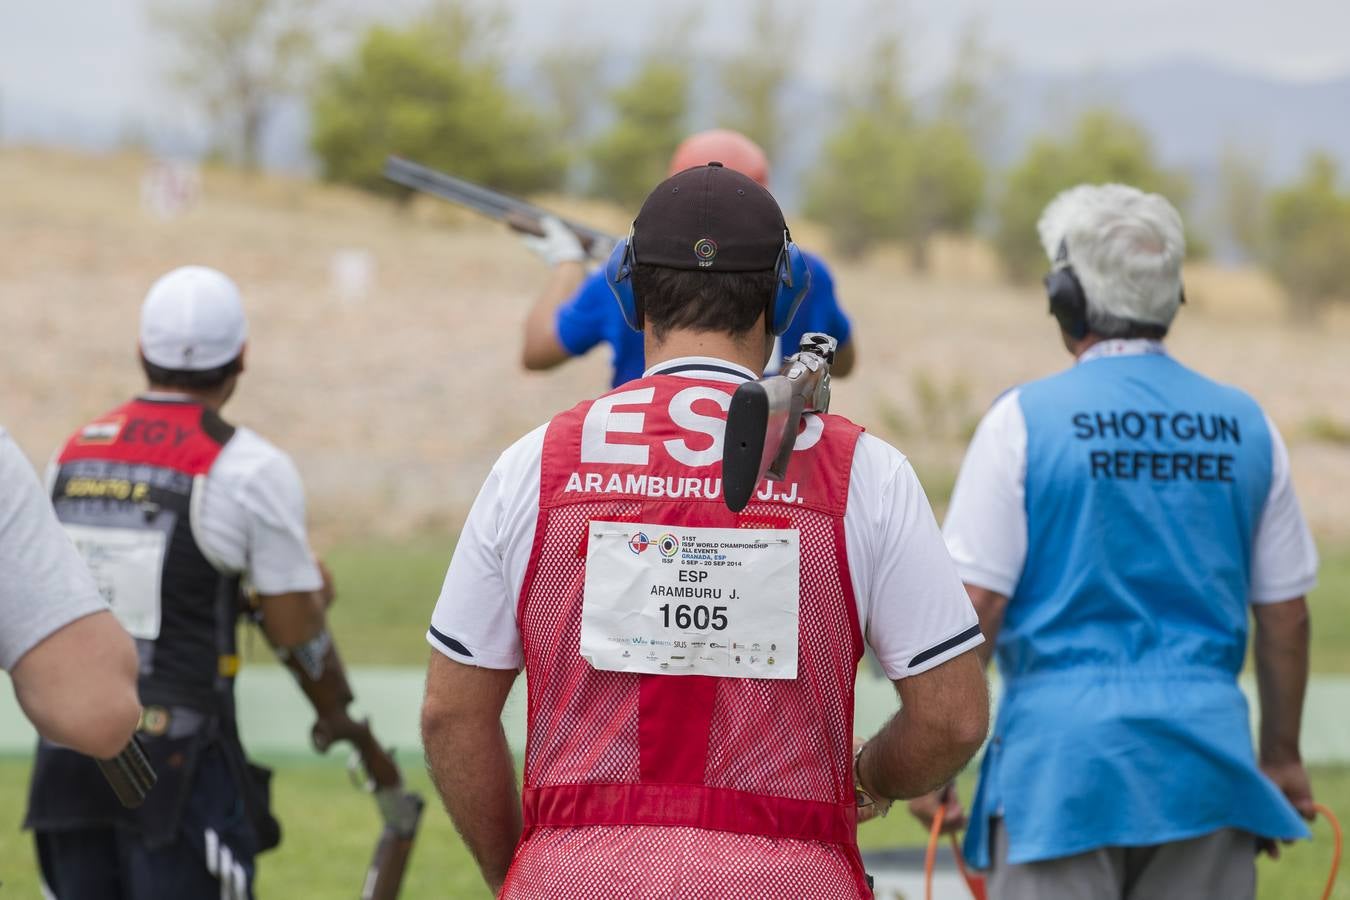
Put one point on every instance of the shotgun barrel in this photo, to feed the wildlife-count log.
(130, 774)
(518, 214)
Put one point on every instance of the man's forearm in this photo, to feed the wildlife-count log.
(471, 766)
(901, 761)
(1281, 649)
(935, 733)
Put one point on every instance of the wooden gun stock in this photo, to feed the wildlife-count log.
(765, 415)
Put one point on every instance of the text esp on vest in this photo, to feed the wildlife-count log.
(616, 415)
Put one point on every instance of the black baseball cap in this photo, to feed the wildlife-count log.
(709, 218)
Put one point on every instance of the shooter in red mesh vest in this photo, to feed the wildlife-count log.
(690, 670)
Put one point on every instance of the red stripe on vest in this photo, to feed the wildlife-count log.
(145, 432)
(692, 805)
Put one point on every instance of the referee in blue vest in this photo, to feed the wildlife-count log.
(1117, 526)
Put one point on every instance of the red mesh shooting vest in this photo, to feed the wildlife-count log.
(686, 786)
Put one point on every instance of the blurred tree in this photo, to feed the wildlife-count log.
(965, 97)
(433, 92)
(1309, 238)
(235, 59)
(1103, 147)
(572, 79)
(888, 175)
(631, 157)
(863, 190)
(753, 82)
(1243, 202)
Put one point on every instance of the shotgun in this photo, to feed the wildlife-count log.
(765, 415)
(518, 214)
(130, 774)
(318, 670)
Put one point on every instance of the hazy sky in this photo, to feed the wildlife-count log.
(96, 60)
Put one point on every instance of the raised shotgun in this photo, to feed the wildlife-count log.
(765, 416)
(518, 214)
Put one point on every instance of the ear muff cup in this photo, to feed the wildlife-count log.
(1068, 303)
(619, 277)
(794, 281)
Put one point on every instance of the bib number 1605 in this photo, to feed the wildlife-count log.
(699, 617)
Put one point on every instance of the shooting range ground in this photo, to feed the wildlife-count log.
(395, 399)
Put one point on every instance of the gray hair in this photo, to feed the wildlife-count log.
(1126, 247)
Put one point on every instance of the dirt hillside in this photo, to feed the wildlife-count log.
(395, 405)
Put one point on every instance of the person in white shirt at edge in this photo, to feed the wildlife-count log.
(1116, 524)
(73, 666)
(172, 508)
(688, 767)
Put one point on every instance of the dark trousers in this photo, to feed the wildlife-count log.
(211, 857)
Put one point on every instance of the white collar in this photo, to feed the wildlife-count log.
(164, 396)
(706, 368)
(1123, 347)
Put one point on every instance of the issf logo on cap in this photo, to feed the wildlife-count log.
(706, 251)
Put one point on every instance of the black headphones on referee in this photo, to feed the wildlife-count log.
(1068, 302)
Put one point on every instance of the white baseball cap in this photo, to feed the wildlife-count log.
(192, 320)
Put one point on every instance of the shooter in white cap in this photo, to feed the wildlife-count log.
(172, 508)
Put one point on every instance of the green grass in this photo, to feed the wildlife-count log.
(1330, 605)
(330, 831)
(386, 593)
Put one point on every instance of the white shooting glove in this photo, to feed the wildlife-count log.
(559, 244)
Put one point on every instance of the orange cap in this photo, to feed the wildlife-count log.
(731, 148)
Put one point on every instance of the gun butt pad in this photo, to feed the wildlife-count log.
(130, 774)
(743, 444)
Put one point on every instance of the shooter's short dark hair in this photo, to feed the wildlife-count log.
(700, 300)
(202, 380)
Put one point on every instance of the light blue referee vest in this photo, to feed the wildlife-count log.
(1121, 722)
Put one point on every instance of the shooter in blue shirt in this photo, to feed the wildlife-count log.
(576, 310)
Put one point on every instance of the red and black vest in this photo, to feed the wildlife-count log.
(128, 488)
(693, 786)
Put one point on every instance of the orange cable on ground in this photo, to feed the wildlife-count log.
(930, 857)
(1336, 849)
(973, 881)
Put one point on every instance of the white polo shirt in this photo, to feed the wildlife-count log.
(44, 585)
(912, 608)
(986, 526)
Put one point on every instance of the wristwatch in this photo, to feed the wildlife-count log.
(863, 797)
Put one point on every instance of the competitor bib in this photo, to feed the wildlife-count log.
(126, 564)
(674, 600)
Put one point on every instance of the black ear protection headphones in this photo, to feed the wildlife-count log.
(794, 280)
(1068, 302)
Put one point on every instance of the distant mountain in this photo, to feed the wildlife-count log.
(1192, 111)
